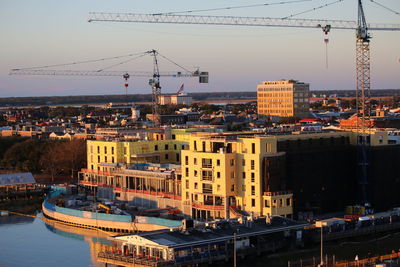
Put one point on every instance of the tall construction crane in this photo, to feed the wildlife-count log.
(362, 52)
(154, 82)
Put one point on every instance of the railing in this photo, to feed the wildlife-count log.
(131, 259)
(208, 207)
(279, 193)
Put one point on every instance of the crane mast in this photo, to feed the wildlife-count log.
(155, 89)
(363, 94)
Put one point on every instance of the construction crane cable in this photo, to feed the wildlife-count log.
(233, 7)
(385, 7)
(310, 10)
(121, 63)
(80, 62)
(176, 64)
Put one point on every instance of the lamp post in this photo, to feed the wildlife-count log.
(322, 246)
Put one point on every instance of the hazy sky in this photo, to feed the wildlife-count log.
(37, 33)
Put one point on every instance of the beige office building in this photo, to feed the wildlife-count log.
(285, 98)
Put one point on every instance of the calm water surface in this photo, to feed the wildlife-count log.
(28, 241)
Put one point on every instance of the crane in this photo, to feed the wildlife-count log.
(363, 37)
(154, 82)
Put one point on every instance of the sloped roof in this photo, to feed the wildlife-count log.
(16, 178)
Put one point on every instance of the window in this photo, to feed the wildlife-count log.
(177, 157)
(98, 149)
(175, 147)
(243, 162)
(186, 160)
(112, 159)
(166, 156)
(105, 150)
(244, 175)
(218, 175)
(280, 202)
(98, 158)
(252, 164)
(232, 175)
(253, 148)
(187, 172)
(187, 184)
(288, 204)
(203, 146)
(232, 162)
(253, 202)
(218, 162)
(166, 147)
(253, 190)
(91, 149)
(266, 203)
(195, 185)
(196, 197)
(187, 195)
(218, 188)
(195, 173)
(195, 145)
(253, 177)
(173, 137)
(195, 161)
(156, 147)
(112, 150)
(232, 188)
(243, 188)
(105, 159)
(124, 150)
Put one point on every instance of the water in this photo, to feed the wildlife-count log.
(28, 241)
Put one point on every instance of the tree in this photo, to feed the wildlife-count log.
(52, 160)
(74, 155)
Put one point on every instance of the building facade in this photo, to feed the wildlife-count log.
(285, 98)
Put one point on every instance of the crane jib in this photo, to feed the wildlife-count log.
(236, 21)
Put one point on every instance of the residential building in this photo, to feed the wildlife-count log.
(285, 98)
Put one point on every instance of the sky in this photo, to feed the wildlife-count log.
(46, 32)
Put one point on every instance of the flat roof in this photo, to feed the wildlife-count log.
(225, 231)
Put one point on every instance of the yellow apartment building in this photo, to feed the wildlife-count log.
(222, 175)
(285, 98)
(99, 153)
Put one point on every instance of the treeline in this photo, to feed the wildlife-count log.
(43, 156)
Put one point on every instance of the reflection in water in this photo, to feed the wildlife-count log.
(15, 219)
(97, 240)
